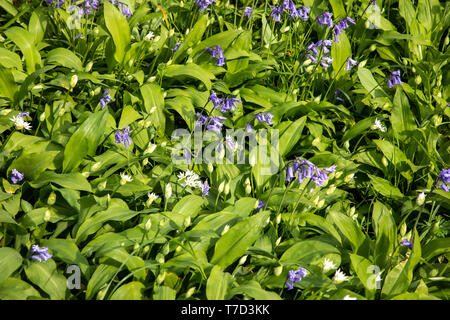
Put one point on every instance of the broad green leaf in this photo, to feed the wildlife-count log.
(153, 97)
(223, 39)
(118, 28)
(5, 217)
(10, 59)
(359, 128)
(189, 206)
(402, 119)
(33, 164)
(16, 289)
(37, 25)
(9, 7)
(385, 233)
(218, 284)
(370, 84)
(291, 135)
(407, 11)
(184, 107)
(397, 157)
(189, 70)
(45, 276)
(67, 251)
(385, 187)
(436, 247)
(74, 181)
(10, 261)
(340, 52)
(102, 274)
(253, 289)
(85, 140)
(65, 58)
(164, 293)
(364, 271)
(25, 41)
(8, 86)
(308, 252)
(233, 244)
(338, 9)
(348, 228)
(193, 37)
(130, 261)
(129, 115)
(129, 291)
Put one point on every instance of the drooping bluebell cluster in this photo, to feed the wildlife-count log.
(350, 63)
(217, 53)
(58, 4)
(295, 276)
(105, 99)
(289, 6)
(214, 123)
(124, 137)
(177, 45)
(395, 79)
(341, 26)
(302, 168)
(40, 254)
(203, 4)
(123, 7)
(16, 176)
(90, 6)
(225, 105)
(313, 48)
(265, 117)
(336, 95)
(444, 177)
(325, 19)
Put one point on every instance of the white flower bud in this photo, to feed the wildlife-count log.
(178, 249)
(420, 199)
(277, 243)
(136, 246)
(278, 270)
(210, 168)
(171, 32)
(226, 190)
(47, 215)
(437, 120)
(349, 177)
(190, 291)
(221, 187)
(145, 162)
(309, 69)
(89, 66)
(148, 224)
(73, 81)
(187, 221)
(152, 79)
(61, 112)
(418, 79)
(338, 174)
(101, 186)
(373, 47)
(161, 277)
(248, 189)
(320, 203)
(168, 191)
(286, 29)
(51, 199)
(96, 166)
(242, 260)
(225, 229)
(278, 219)
(331, 189)
(189, 51)
(316, 142)
(151, 147)
(146, 249)
(306, 63)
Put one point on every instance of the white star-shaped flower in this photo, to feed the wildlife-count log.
(328, 265)
(125, 178)
(339, 276)
(20, 123)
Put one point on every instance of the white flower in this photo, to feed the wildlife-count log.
(190, 178)
(378, 125)
(328, 265)
(125, 178)
(149, 36)
(151, 147)
(225, 229)
(151, 197)
(20, 123)
(347, 297)
(420, 199)
(339, 276)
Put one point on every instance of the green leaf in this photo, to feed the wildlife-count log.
(358, 128)
(308, 252)
(370, 84)
(189, 206)
(397, 157)
(340, 52)
(129, 115)
(218, 284)
(402, 119)
(65, 58)
(185, 108)
(67, 251)
(8, 87)
(291, 135)
(16, 289)
(189, 70)
(436, 247)
(85, 140)
(33, 164)
(10, 59)
(10, 261)
(362, 267)
(385, 187)
(5, 217)
(385, 233)
(348, 228)
(253, 289)
(153, 97)
(74, 181)
(233, 244)
(118, 28)
(193, 37)
(100, 277)
(45, 276)
(129, 291)
(25, 41)
(164, 293)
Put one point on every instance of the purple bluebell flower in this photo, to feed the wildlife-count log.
(105, 99)
(215, 123)
(447, 105)
(325, 19)
(23, 114)
(444, 176)
(326, 61)
(374, 3)
(247, 12)
(16, 176)
(205, 188)
(295, 276)
(215, 100)
(264, 117)
(395, 79)
(276, 13)
(79, 35)
(203, 4)
(303, 168)
(201, 119)
(406, 243)
(303, 12)
(350, 63)
(125, 9)
(42, 253)
(293, 13)
(124, 137)
(217, 53)
(229, 104)
(177, 45)
(261, 205)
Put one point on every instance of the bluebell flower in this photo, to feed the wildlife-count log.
(105, 99)
(177, 45)
(325, 19)
(261, 205)
(79, 35)
(444, 176)
(276, 13)
(215, 100)
(248, 12)
(341, 26)
(303, 168)
(217, 53)
(24, 114)
(201, 119)
(406, 243)
(303, 12)
(264, 117)
(350, 63)
(295, 276)
(203, 4)
(326, 61)
(229, 104)
(41, 253)
(215, 123)
(16, 176)
(336, 95)
(124, 137)
(205, 188)
(395, 79)
(374, 3)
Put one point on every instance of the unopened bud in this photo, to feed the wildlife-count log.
(352, 211)
(331, 189)
(384, 161)
(225, 229)
(362, 63)
(373, 47)
(309, 69)
(349, 177)
(160, 259)
(316, 142)
(101, 186)
(146, 249)
(437, 120)
(418, 79)
(73, 80)
(152, 79)
(96, 166)
(168, 191)
(190, 291)
(145, 162)
(148, 224)
(210, 168)
(221, 187)
(320, 203)
(171, 32)
(47, 215)
(189, 51)
(420, 199)
(226, 190)
(286, 29)
(51, 199)
(136, 246)
(160, 277)
(316, 200)
(89, 66)
(346, 144)
(248, 189)
(178, 249)
(61, 112)
(187, 221)
(338, 174)
(151, 147)
(277, 243)
(278, 270)
(242, 260)
(307, 62)
(278, 219)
